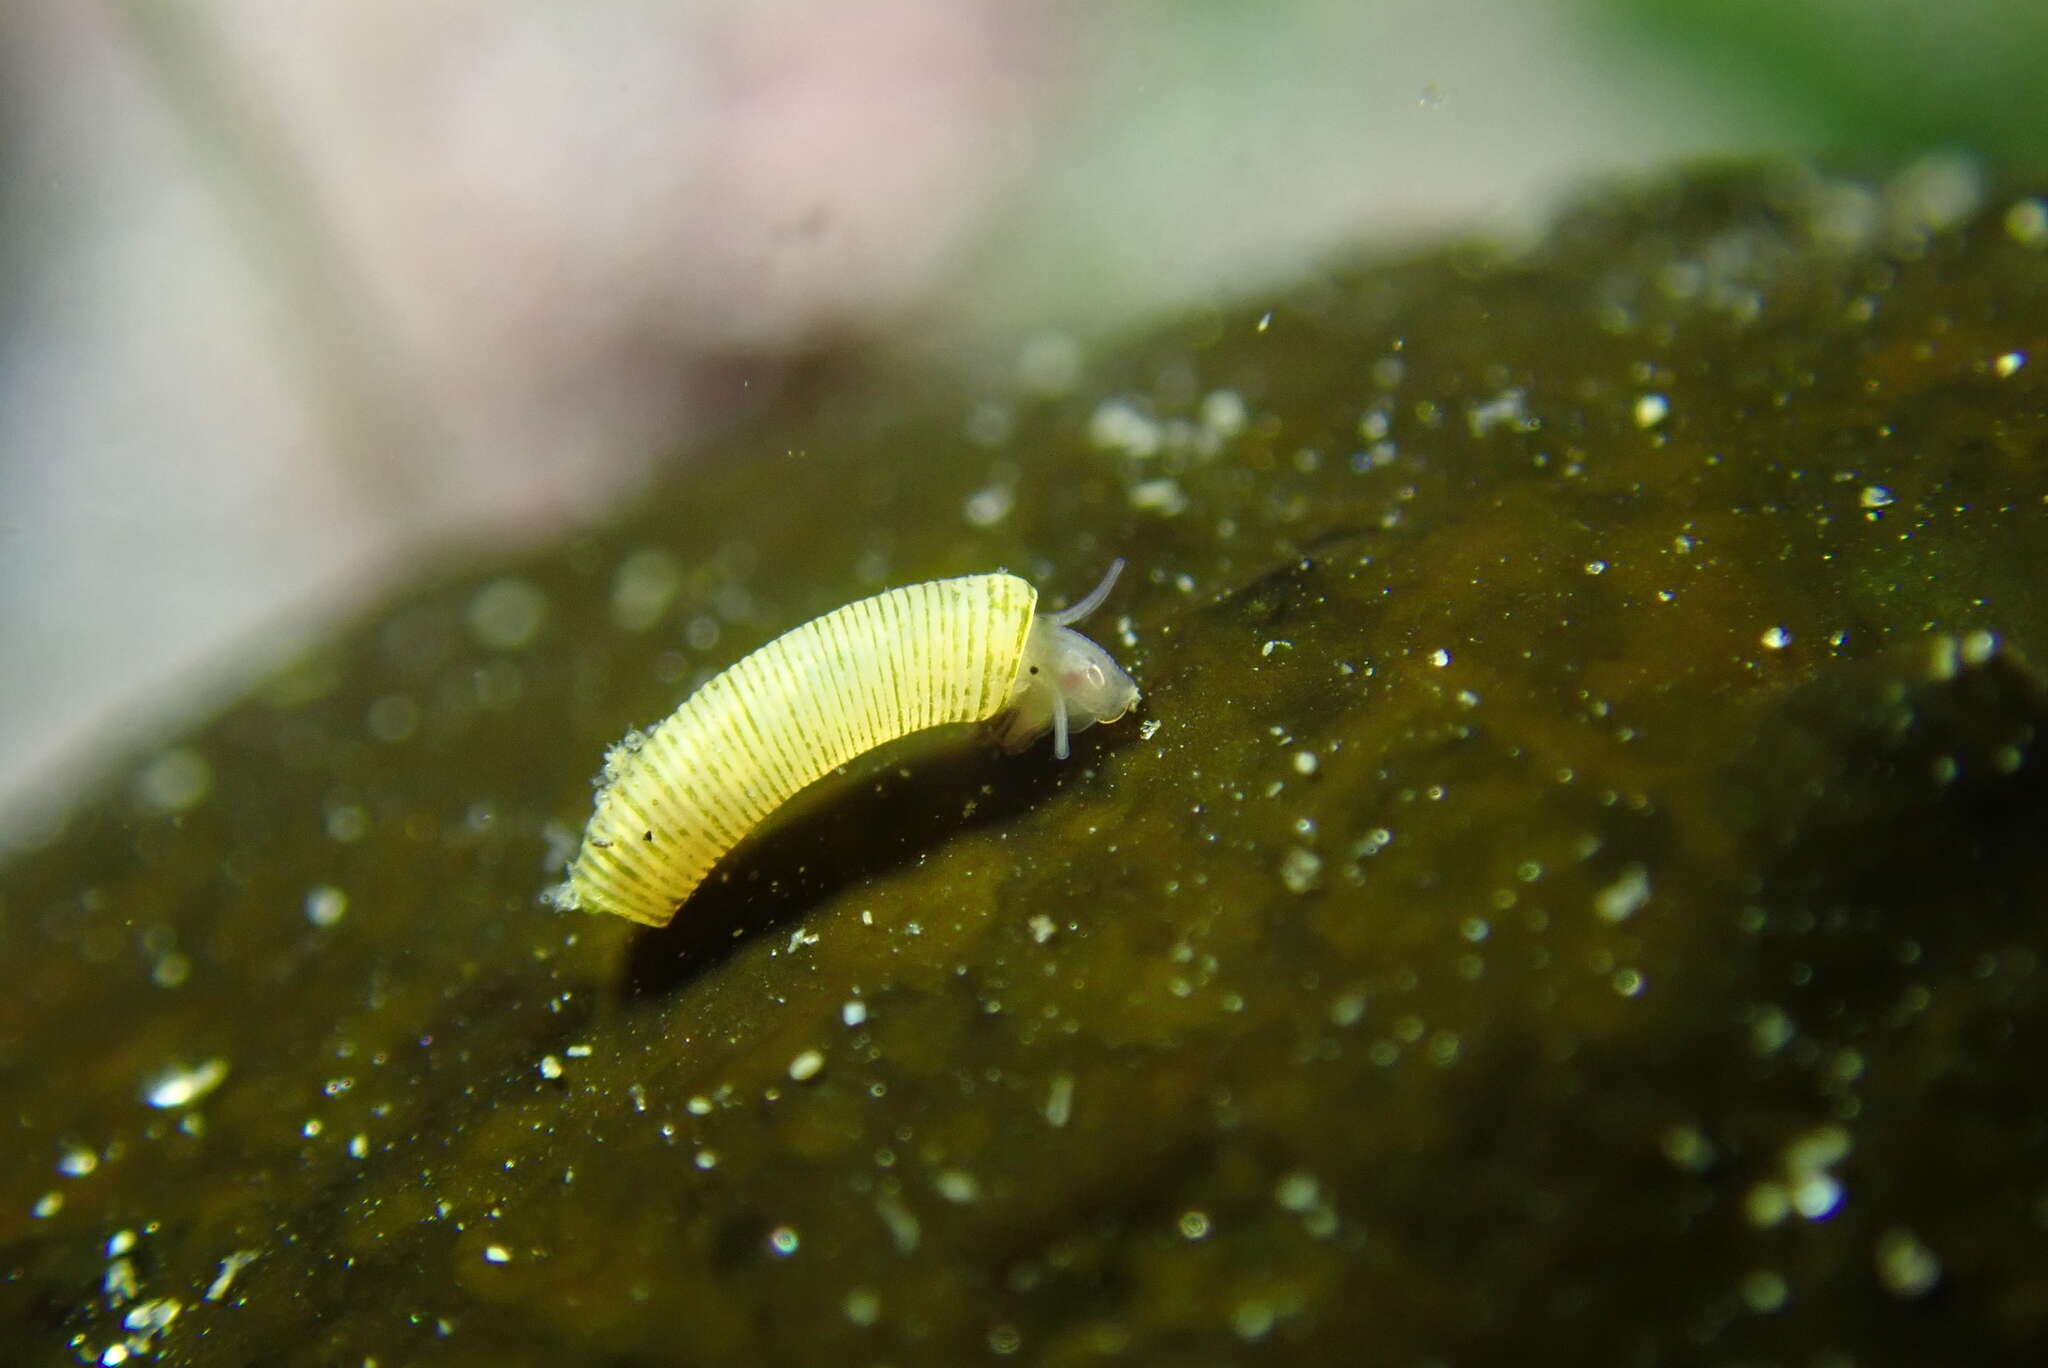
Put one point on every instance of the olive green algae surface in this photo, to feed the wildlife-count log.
(1572, 890)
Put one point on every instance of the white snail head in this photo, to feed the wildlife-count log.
(1065, 682)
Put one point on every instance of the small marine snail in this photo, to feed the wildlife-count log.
(674, 799)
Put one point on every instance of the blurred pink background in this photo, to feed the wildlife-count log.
(294, 291)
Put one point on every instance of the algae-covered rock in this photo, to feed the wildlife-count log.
(1570, 892)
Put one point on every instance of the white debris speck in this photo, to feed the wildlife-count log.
(113, 1356)
(347, 823)
(1820, 1148)
(359, 1146)
(1043, 928)
(853, 1012)
(550, 1067)
(1816, 1196)
(1149, 728)
(1301, 869)
(1651, 409)
(230, 1268)
(1596, 567)
(1224, 413)
(701, 633)
(497, 1254)
(1775, 638)
(174, 781)
(1439, 657)
(1059, 1100)
(1933, 194)
(644, 588)
(1770, 1030)
(1906, 1267)
(1509, 409)
(1305, 762)
(1876, 496)
(904, 1231)
(699, 1105)
(1805, 1187)
(1298, 1191)
(47, 1205)
(1163, 496)
(989, 505)
(76, 1161)
(507, 614)
(2026, 222)
(706, 1159)
(2007, 365)
(1687, 1147)
(325, 905)
(957, 1185)
(118, 1283)
(1276, 644)
(1764, 1291)
(806, 1065)
(1624, 897)
(1120, 425)
(181, 1087)
(1252, 1320)
(151, 1317)
(783, 1241)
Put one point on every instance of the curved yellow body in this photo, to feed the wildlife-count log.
(673, 800)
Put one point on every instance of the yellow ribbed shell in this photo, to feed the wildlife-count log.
(672, 801)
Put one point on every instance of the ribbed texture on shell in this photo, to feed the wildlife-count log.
(678, 798)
